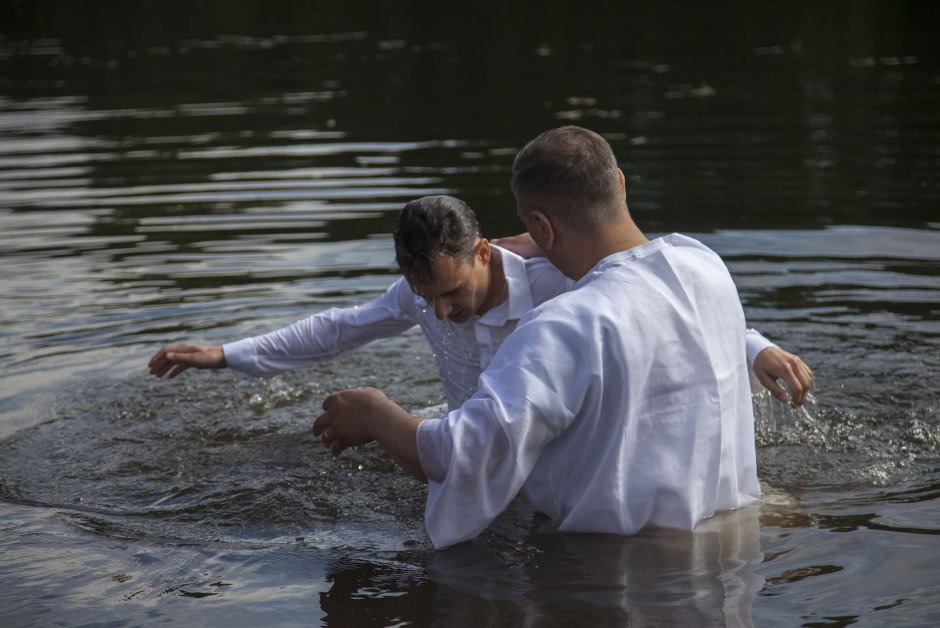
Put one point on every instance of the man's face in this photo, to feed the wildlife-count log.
(458, 286)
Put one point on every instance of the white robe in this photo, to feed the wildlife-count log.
(621, 404)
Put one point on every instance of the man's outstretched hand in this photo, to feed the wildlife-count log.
(773, 364)
(174, 359)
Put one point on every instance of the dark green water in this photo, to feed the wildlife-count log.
(208, 170)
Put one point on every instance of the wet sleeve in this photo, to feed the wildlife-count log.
(478, 457)
(323, 335)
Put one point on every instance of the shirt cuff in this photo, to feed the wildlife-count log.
(755, 344)
(241, 357)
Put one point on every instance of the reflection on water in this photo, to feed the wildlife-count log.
(655, 578)
(243, 168)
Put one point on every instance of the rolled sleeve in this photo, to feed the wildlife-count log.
(472, 473)
(479, 456)
(435, 448)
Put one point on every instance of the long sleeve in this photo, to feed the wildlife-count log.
(323, 335)
(478, 457)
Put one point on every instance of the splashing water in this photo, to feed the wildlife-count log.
(778, 423)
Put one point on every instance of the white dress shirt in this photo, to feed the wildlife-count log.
(462, 350)
(620, 404)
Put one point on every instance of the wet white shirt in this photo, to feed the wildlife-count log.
(621, 404)
(462, 350)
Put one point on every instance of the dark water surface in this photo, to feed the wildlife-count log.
(205, 171)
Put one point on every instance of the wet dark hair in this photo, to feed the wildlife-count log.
(429, 226)
(571, 173)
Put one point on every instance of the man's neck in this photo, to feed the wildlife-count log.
(585, 250)
(498, 290)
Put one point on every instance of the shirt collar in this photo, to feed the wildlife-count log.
(520, 297)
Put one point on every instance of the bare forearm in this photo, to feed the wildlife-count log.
(360, 415)
(397, 431)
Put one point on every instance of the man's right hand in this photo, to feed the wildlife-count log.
(174, 359)
(773, 364)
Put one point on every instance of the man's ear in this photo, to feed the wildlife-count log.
(484, 252)
(545, 234)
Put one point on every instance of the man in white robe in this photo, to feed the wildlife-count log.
(621, 404)
(495, 287)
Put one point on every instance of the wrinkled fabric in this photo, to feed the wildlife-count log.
(621, 404)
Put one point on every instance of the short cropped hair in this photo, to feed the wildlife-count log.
(571, 173)
(430, 226)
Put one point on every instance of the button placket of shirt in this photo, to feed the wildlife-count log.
(484, 338)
